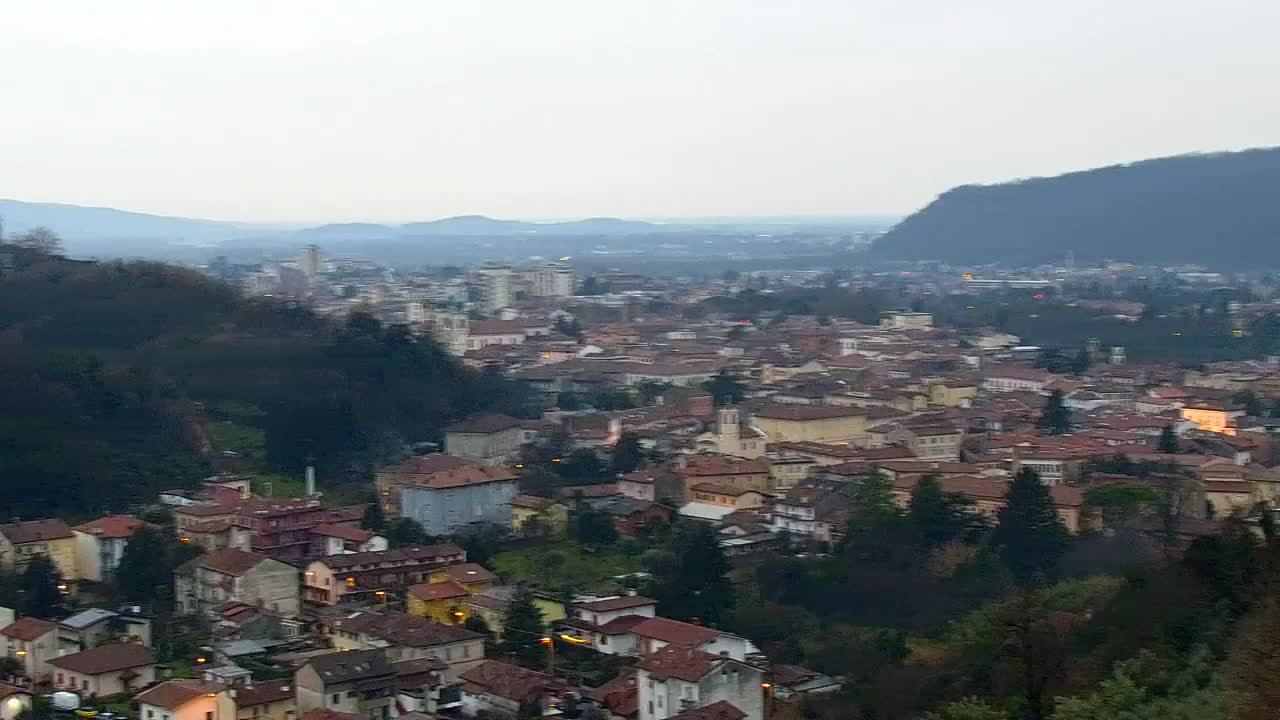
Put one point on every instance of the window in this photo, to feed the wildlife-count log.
(208, 716)
(351, 693)
(84, 684)
(650, 707)
(150, 713)
(334, 699)
(59, 679)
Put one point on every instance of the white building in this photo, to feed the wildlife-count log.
(677, 679)
(309, 260)
(553, 280)
(495, 287)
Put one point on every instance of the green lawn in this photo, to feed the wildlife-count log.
(563, 564)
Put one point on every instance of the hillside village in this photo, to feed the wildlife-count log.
(507, 573)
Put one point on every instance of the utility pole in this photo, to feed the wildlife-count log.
(551, 654)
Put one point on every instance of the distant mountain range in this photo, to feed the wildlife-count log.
(94, 228)
(1219, 209)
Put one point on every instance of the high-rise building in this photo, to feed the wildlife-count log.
(309, 259)
(553, 280)
(495, 287)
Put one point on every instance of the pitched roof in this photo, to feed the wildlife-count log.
(801, 413)
(708, 464)
(105, 659)
(35, 531)
(405, 555)
(404, 630)
(484, 424)
(173, 694)
(469, 573)
(426, 464)
(620, 695)
(675, 632)
(718, 710)
(111, 526)
(458, 477)
(532, 502)
(229, 561)
(350, 665)
(679, 662)
(326, 714)
(717, 488)
(428, 592)
(624, 602)
(263, 693)
(7, 690)
(28, 628)
(342, 532)
(510, 681)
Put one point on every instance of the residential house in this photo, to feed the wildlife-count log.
(1011, 378)
(619, 698)
(722, 470)
(448, 501)
(495, 688)
(530, 512)
(1214, 417)
(231, 574)
(92, 627)
(492, 605)
(342, 540)
(658, 632)
(269, 700)
(405, 637)
(788, 469)
(792, 680)
(330, 580)
(783, 422)
(414, 471)
(485, 439)
(652, 484)
(21, 541)
(185, 700)
(930, 442)
(605, 624)
(359, 682)
(712, 501)
(421, 692)
(443, 597)
(953, 393)
(630, 517)
(34, 642)
(104, 670)
(675, 680)
(813, 511)
(100, 545)
(14, 701)
(906, 320)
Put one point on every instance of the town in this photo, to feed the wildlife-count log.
(685, 454)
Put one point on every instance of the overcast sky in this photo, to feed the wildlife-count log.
(386, 110)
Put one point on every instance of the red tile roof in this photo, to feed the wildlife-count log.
(229, 561)
(326, 714)
(675, 632)
(35, 531)
(710, 465)
(176, 693)
(7, 690)
(510, 681)
(105, 659)
(262, 693)
(458, 477)
(28, 628)
(719, 710)
(802, 413)
(679, 662)
(111, 526)
(342, 532)
(469, 573)
(429, 592)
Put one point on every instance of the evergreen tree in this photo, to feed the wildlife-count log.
(39, 587)
(1080, 365)
(934, 518)
(1168, 440)
(691, 577)
(1030, 537)
(373, 518)
(592, 527)
(524, 627)
(1056, 418)
(875, 523)
(406, 531)
(627, 454)
(145, 573)
(725, 388)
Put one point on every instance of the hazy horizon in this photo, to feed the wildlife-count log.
(294, 112)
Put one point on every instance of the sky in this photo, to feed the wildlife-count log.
(401, 110)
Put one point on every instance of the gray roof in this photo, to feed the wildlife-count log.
(85, 618)
(351, 665)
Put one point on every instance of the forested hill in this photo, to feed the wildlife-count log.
(111, 374)
(1218, 209)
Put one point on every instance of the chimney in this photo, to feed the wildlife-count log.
(311, 481)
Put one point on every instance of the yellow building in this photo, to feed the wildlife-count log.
(1212, 418)
(472, 577)
(492, 606)
(444, 602)
(525, 508)
(952, 394)
(783, 422)
(21, 541)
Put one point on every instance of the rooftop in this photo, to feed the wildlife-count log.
(35, 531)
(105, 659)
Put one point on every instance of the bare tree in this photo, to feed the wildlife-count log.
(39, 238)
